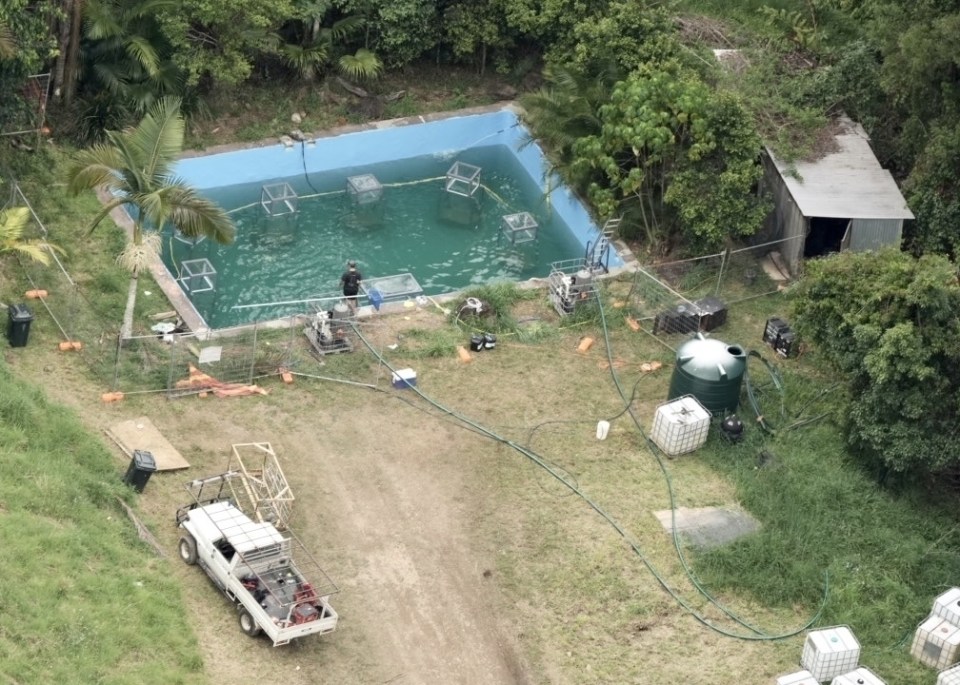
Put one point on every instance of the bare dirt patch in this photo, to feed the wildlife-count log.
(459, 559)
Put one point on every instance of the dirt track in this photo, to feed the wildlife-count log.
(387, 498)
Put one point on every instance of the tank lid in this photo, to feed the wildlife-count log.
(711, 359)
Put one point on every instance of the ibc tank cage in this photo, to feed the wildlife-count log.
(950, 676)
(830, 652)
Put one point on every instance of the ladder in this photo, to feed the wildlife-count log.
(597, 255)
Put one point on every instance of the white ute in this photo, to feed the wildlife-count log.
(253, 563)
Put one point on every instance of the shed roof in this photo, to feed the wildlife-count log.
(848, 183)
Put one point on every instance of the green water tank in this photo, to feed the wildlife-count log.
(710, 370)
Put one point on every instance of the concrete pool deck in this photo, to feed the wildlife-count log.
(624, 259)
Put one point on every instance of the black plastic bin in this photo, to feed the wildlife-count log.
(18, 329)
(142, 466)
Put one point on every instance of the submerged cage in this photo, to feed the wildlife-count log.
(198, 276)
(461, 210)
(463, 179)
(519, 228)
(187, 240)
(279, 199)
(364, 189)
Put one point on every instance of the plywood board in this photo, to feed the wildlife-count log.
(141, 434)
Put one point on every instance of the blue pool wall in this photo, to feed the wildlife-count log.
(392, 141)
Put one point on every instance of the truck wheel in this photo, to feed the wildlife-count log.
(247, 623)
(188, 549)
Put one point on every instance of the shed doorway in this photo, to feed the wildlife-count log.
(826, 235)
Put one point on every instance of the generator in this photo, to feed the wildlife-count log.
(778, 335)
(328, 335)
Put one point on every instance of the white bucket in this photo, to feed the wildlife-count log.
(603, 427)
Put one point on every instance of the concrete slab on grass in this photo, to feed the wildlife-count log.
(708, 527)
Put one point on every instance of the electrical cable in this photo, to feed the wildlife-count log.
(542, 463)
(303, 158)
(758, 634)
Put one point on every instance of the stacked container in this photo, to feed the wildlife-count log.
(936, 642)
(798, 678)
(860, 676)
(947, 606)
(830, 652)
(949, 677)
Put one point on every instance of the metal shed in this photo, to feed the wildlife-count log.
(843, 201)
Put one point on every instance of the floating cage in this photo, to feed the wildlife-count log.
(198, 276)
(571, 284)
(364, 189)
(798, 678)
(947, 606)
(463, 179)
(936, 643)
(279, 199)
(680, 426)
(859, 676)
(830, 652)
(519, 228)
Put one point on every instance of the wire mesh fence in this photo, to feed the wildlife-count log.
(82, 323)
(671, 300)
(668, 300)
(236, 362)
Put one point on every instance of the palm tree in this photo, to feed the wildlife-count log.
(136, 166)
(13, 222)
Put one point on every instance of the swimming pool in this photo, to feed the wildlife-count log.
(447, 242)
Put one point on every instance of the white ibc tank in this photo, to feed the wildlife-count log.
(830, 652)
(936, 643)
(680, 426)
(798, 678)
(951, 676)
(861, 676)
(947, 606)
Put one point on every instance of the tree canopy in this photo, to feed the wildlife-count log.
(889, 323)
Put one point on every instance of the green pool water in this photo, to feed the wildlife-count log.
(446, 241)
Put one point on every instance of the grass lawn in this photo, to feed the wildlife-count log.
(85, 601)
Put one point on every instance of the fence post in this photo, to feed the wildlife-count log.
(253, 356)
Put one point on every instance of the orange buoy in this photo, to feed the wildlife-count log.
(70, 345)
(287, 377)
(633, 323)
(35, 294)
(111, 396)
(585, 345)
(464, 355)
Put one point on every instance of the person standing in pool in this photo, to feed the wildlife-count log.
(350, 280)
